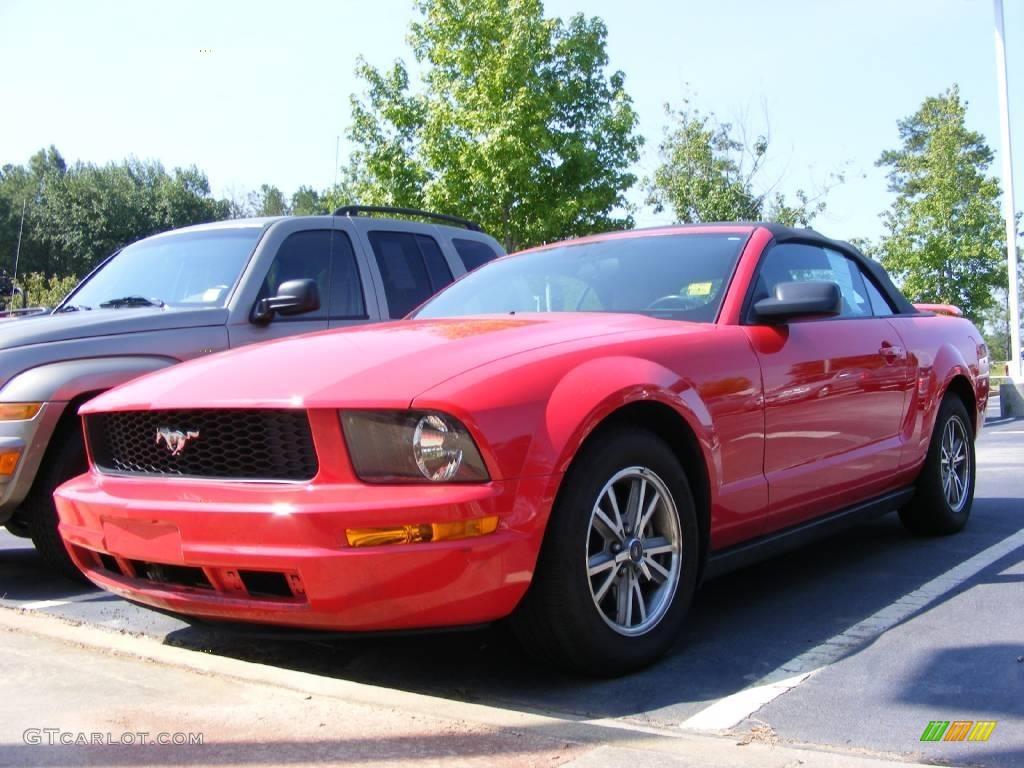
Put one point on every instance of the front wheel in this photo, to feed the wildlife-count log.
(618, 566)
(945, 487)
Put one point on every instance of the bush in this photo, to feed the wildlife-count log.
(45, 291)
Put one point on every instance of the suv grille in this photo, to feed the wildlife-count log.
(250, 444)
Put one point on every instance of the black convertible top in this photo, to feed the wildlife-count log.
(784, 234)
(799, 235)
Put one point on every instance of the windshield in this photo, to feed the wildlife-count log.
(187, 269)
(678, 277)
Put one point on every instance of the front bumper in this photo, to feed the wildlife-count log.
(31, 437)
(277, 553)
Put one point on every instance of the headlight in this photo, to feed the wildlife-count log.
(411, 447)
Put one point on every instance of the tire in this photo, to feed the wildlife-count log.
(66, 459)
(575, 614)
(945, 490)
(16, 528)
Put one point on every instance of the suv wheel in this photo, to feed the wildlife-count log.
(67, 460)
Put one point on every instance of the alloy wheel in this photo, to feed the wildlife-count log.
(634, 551)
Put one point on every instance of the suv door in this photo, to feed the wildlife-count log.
(834, 391)
(301, 249)
(410, 267)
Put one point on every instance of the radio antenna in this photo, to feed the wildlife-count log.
(17, 254)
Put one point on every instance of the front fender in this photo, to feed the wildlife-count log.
(591, 392)
(55, 385)
(67, 379)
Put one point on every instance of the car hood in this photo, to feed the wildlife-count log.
(83, 324)
(381, 366)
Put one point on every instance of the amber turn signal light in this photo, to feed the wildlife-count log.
(424, 532)
(18, 411)
(9, 461)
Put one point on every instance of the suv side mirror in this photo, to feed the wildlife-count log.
(293, 298)
(805, 298)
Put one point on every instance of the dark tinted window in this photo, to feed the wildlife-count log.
(346, 289)
(791, 262)
(879, 304)
(412, 268)
(473, 253)
(302, 255)
(671, 276)
(438, 269)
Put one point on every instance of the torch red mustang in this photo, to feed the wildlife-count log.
(571, 436)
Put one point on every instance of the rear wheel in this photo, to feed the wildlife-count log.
(945, 487)
(66, 460)
(618, 567)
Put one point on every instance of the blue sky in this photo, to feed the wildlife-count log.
(255, 92)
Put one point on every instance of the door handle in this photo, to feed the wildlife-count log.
(890, 353)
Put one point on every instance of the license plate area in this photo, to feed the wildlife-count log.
(143, 540)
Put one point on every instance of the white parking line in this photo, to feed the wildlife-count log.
(38, 605)
(732, 710)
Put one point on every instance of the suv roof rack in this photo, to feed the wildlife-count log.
(355, 210)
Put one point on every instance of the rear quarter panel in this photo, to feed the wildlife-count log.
(940, 349)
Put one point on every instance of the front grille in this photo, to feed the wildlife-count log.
(239, 444)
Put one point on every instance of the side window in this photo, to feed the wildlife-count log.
(346, 289)
(473, 252)
(437, 267)
(412, 268)
(301, 255)
(790, 262)
(879, 304)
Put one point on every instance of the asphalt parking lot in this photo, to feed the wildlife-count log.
(856, 643)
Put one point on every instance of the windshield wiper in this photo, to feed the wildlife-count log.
(73, 307)
(131, 301)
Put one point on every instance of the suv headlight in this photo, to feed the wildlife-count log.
(411, 447)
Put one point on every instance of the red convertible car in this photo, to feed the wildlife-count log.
(571, 436)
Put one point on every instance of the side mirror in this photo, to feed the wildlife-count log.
(805, 298)
(293, 298)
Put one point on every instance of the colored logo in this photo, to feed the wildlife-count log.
(958, 730)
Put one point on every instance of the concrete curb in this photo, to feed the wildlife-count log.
(611, 743)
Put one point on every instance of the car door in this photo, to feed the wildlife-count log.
(410, 267)
(834, 391)
(350, 285)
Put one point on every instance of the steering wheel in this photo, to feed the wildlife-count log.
(674, 301)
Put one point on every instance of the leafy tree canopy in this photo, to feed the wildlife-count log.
(517, 123)
(77, 215)
(945, 237)
(709, 171)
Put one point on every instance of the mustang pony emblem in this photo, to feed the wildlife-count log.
(175, 439)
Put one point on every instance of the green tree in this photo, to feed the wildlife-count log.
(41, 291)
(944, 235)
(24, 188)
(709, 173)
(268, 200)
(308, 202)
(517, 124)
(90, 211)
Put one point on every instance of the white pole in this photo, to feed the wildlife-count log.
(1009, 207)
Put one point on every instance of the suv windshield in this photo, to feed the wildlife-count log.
(678, 277)
(187, 269)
